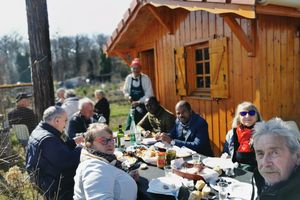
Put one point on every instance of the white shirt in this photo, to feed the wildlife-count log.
(146, 84)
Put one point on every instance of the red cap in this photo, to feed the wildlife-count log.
(135, 62)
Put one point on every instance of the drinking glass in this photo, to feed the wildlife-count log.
(168, 170)
(223, 186)
(196, 159)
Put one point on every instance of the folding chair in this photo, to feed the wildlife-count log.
(22, 133)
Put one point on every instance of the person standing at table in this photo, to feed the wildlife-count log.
(81, 120)
(238, 139)
(102, 105)
(137, 88)
(277, 151)
(100, 175)
(157, 120)
(190, 130)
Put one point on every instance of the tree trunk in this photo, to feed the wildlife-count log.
(40, 52)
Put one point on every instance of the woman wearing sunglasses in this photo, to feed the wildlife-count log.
(238, 139)
(99, 175)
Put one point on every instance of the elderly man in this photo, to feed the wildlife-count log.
(157, 120)
(81, 120)
(22, 114)
(51, 161)
(70, 105)
(277, 151)
(137, 88)
(190, 130)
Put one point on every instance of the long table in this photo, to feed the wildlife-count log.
(153, 172)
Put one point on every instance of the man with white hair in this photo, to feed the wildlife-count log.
(81, 120)
(277, 151)
(50, 161)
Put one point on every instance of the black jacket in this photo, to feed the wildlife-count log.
(285, 190)
(52, 161)
(78, 124)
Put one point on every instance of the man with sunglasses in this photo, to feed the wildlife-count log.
(51, 161)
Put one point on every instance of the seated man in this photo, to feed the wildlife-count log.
(81, 120)
(22, 114)
(190, 130)
(50, 160)
(277, 151)
(157, 120)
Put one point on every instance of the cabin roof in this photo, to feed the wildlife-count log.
(143, 13)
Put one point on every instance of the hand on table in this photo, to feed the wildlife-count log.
(79, 139)
(163, 137)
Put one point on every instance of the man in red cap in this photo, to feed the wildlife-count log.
(136, 89)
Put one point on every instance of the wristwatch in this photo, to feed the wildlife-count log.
(172, 142)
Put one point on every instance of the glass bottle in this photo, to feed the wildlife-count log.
(132, 129)
(121, 139)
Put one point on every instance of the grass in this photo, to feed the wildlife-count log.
(119, 111)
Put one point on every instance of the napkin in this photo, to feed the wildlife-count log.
(148, 141)
(166, 185)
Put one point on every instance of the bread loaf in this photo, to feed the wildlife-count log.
(195, 195)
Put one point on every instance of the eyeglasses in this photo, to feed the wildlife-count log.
(104, 141)
(250, 113)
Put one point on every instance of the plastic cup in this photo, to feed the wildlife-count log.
(223, 186)
(196, 159)
(168, 171)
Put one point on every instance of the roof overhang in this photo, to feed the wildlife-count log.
(143, 13)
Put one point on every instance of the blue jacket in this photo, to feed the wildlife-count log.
(198, 139)
(52, 161)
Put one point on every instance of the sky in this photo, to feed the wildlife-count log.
(66, 17)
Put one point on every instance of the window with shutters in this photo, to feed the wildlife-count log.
(198, 66)
(202, 69)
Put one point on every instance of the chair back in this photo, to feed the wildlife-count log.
(21, 131)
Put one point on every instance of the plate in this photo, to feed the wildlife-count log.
(229, 180)
(241, 190)
(209, 174)
(135, 147)
(223, 163)
(128, 160)
(165, 185)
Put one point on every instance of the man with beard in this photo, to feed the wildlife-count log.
(190, 130)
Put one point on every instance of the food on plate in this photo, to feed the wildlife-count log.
(200, 185)
(144, 166)
(128, 159)
(195, 195)
(205, 190)
(218, 170)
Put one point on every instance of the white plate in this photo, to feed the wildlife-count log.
(229, 180)
(223, 163)
(133, 148)
(241, 190)
(209, 174)
(164, 185)
(148, 141)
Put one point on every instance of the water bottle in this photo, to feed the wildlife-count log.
(132, 130)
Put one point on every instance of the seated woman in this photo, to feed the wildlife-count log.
(238, 139)
(99, 175)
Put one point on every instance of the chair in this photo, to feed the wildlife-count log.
(22, 133)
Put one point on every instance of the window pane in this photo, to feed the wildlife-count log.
(198, 55)
(207, 82)
(207, 68)
(206, 54)
(200, 83)
(199, 69)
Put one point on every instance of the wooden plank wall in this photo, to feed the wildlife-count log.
(264, 80)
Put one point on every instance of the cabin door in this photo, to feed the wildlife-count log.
(148, 62)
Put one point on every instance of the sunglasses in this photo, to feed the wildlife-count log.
(104, 141)
(250, 113)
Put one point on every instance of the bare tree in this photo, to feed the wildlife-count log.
(39, 42)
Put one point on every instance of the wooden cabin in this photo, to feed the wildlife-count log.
(216, 54)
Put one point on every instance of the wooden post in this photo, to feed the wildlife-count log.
(40, 52)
